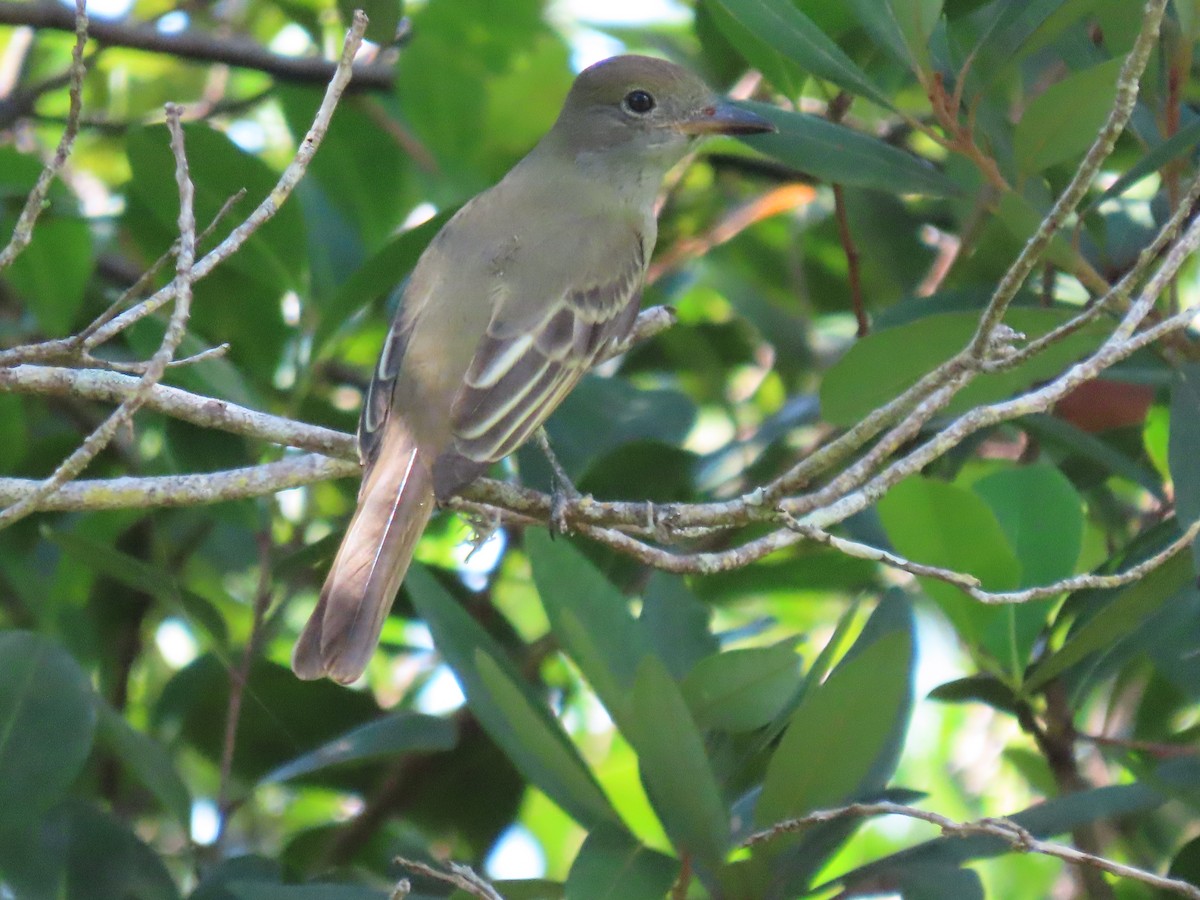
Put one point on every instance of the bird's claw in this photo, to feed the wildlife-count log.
(562, 493)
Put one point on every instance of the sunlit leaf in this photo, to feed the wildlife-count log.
(743, 689)
(941, 524)
(613, 866)
(515, 718)
(835, 736)
(1128, 607)
(674, 766)
(837, 154)
(1062, 122)
(885, 363)
(781, 25)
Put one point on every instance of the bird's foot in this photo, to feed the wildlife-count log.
(562, 492)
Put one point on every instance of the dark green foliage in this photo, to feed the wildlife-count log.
(641, 727)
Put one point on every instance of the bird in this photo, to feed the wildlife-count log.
(527, 286)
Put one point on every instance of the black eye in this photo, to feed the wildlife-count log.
(639, 102)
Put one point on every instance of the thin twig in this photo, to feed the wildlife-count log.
(197, 45)
(176, 329)
(240, 676)
(1126, 98)
(1018, 838)
(23, 232)
(970, 585)
(460, 876)
(270, 205)
(852, 261)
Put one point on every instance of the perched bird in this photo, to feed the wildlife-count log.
(511, 303)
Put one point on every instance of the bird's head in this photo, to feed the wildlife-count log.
(647, 107)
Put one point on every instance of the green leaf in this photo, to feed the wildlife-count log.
(147, 761)
(675, 768)
(1181, 447)
(1128, 608)
(123, 568)
(240, 301)
(1183, 142)
(886, 363)
(550, 760)
(50, 275)
(590, 617)
(838, 732)
(939, 882)
(1021, 218)
(1186, 864)
(778, 69)
(902, 26)
(389, 737)
(381, 274)
(1062, 122)
(219, 169)
(515, 719)
(841, 155)
(744, 689)
(611, 865)
(47, 720)
(280, 714)
(602, 414)
(107, 861)
(977, 689)
(1053, 431)
(1188, 13)
(14, 426)
(675, 623)
(361, 177)
(781, 25)
(1041, 514)
(941, 524)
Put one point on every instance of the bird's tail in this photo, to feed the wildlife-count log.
(394, 504)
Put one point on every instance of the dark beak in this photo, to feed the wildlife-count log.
(725, 118)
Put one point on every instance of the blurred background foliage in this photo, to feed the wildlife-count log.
(626, 730)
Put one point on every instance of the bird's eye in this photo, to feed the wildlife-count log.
(638, 102)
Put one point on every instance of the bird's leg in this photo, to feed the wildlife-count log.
(563, 489)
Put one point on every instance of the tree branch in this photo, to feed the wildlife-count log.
(182, 490)
(197, 46)
(1126, 98)
(268, 207)
(77, 21)
(172, 338)
(1018, 839)
(205, 412)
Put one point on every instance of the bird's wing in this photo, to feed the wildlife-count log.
(377, 403)
(535, 349)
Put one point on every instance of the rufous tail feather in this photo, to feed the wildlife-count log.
(394, 505)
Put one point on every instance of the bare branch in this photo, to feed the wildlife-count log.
(269, 206)
(1126, 98)
(195, 45)
(1018, 838)
(206, 412)
(460, 876)
(970, 585)
(182, 490)
(176, 330)
(23, 232)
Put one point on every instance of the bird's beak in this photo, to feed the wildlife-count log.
(722, 117)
